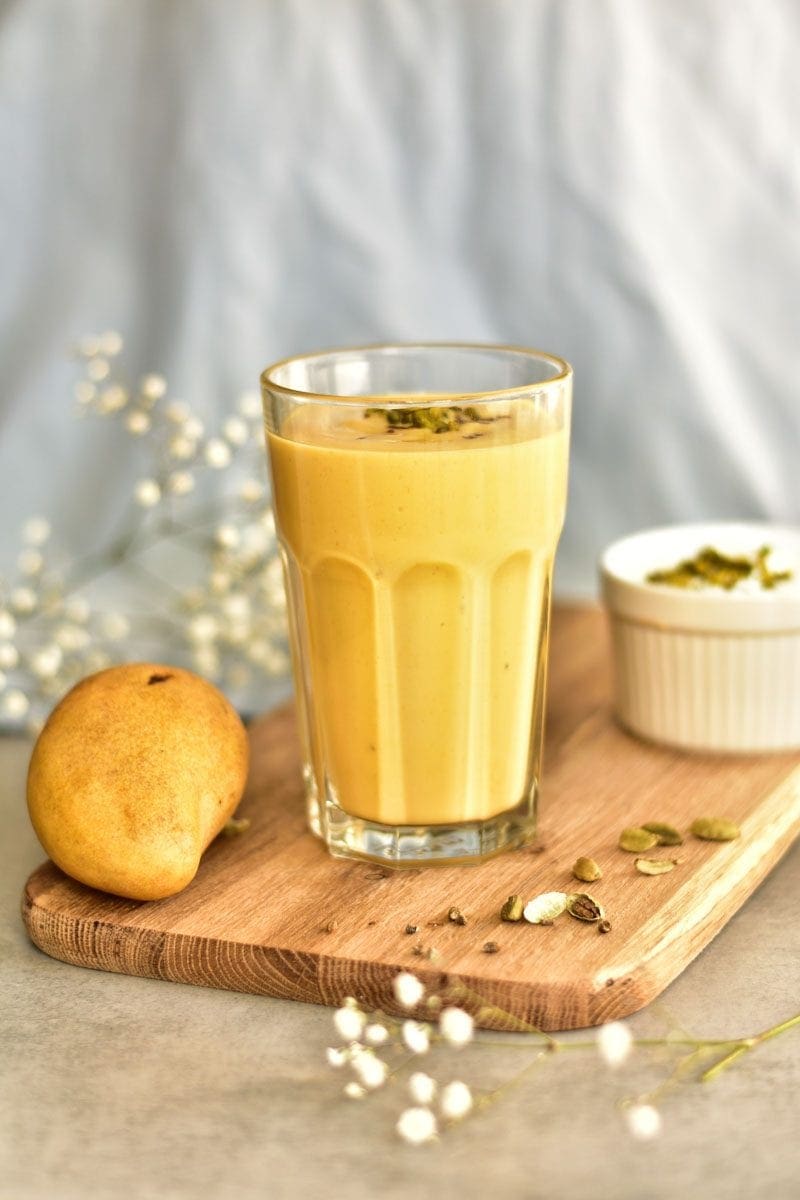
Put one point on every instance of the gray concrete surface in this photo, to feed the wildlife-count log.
(116, 1087)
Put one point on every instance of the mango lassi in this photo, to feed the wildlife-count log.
(418, 556)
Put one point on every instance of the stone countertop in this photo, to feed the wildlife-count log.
(120, 1087)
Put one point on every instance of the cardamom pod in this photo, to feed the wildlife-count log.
(545, 908)
(587, 870)
(636, 840)
(584, 907)
(666, 834)
(654, 866)
(512, 909)
(715, 829)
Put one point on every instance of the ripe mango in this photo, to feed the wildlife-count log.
(137, 769)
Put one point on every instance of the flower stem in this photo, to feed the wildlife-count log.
(745, 1045)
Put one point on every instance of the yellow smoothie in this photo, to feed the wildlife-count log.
(418, 568)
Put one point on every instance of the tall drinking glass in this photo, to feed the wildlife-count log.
(419, 493)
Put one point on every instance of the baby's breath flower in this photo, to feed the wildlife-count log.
(30, 561)
(336, 1056)
(407, 989)
(147, 493)
(9, 656)
(115, 626)
(98, 369)
(46, 662)
(36, 531)
(23, 599)
(456, 1026)
(181, 448)
(97, 660)
(110, 343)
(14, 703)
(3, 681)
(206, 661)
(422, 1087)
(370, 1069)
(416, 1037)
(193, 428)
(456, 1100)
(376, 1034)
(251, 491)
(217, 453)
(417, 1126)
(644, 1121)
(203, 628)
(77, 609)
(236, 431)
(227, 536)
(180, 483)
(177, 411)
(354, 1091)
(219, 582)
(349, 1022)
(84, 392)
(614, 1043)
(89, 346)
(250, 405)
(72, 637)
(236, 606)
(153, 387)
(112, 398)
(8, 626)
(138, 422)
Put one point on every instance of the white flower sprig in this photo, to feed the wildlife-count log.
(439, 1106)
(224, 616)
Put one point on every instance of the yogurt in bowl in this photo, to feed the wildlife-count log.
(705, 667)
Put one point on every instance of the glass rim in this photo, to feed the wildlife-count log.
(388, 399)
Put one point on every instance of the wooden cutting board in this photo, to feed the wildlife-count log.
(271, 912)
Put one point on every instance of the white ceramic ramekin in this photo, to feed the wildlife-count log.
(705, 670)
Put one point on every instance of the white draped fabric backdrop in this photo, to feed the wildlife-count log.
(617, 181)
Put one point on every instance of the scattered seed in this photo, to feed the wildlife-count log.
(667, 835)
(512, 909)
(236, 825)
(331, 926)
(654, 866)
(587, 870)
(715, 829)
(584, 907)
(545, 907)
(490, 948)
(636, 840)
(456, 917)
(604, 927)
(412, 928)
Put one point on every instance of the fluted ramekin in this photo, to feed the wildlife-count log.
(705, 669)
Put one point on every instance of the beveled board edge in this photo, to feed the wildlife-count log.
(618, 991)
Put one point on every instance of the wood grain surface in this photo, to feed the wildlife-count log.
(271, 912)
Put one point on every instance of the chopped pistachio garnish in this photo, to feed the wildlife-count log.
(712, 568)
(438, 420)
